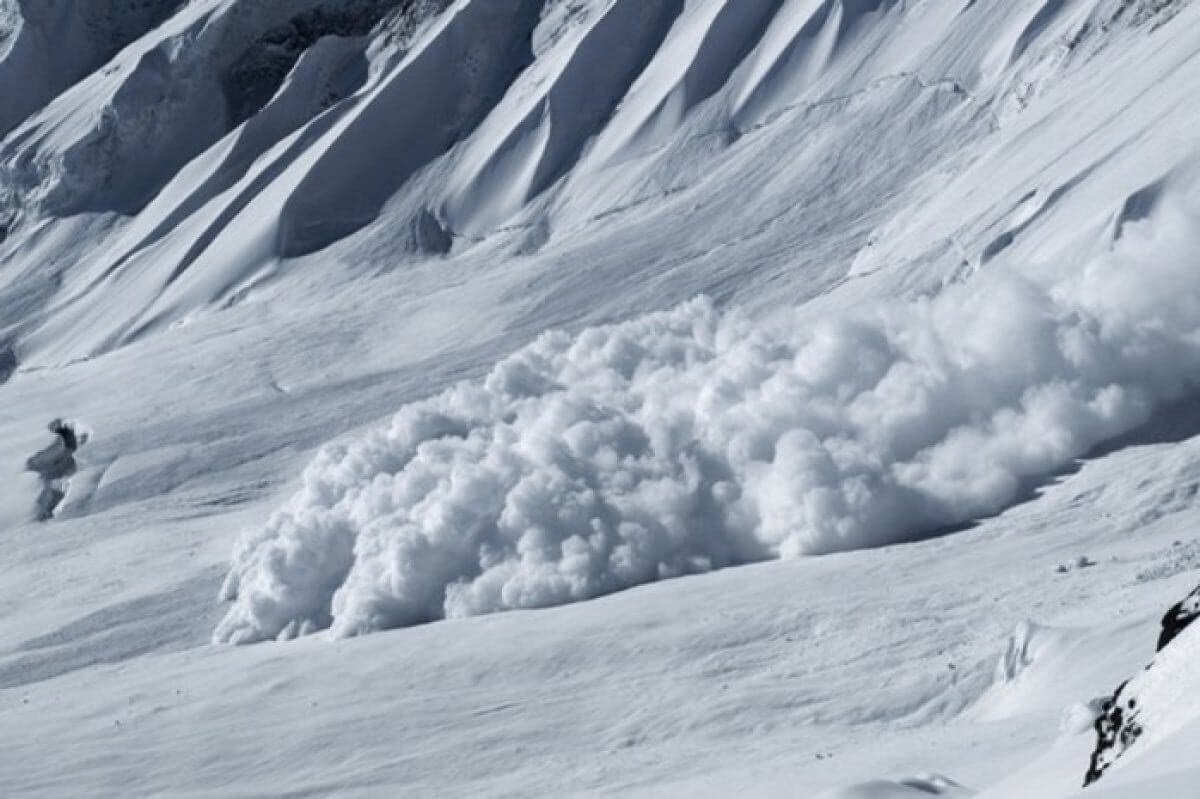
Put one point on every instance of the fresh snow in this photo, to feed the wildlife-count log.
(872, 322)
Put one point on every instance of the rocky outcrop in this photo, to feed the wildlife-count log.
(1177, 619)
(1145, 703)
(258, 73)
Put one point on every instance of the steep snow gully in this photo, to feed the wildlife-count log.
(647, 289)
(242, 131)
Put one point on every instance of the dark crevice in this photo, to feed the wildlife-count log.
(8, 362)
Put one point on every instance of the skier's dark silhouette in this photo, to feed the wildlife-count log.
(67, 434)
(54, 465)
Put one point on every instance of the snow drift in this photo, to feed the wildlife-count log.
(920, 787)
(690, 440)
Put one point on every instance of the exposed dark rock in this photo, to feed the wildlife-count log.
(1178, 618)
(255, 77)
(1119, 724)
(1117, 728)
(429, 235)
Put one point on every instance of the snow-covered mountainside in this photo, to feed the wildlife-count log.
(875, 322)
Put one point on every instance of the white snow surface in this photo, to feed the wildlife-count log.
(889, 304)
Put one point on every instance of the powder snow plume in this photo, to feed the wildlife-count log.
(692, 440)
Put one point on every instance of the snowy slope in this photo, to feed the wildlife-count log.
(783, 679)
(948, 249)
(1146, 736)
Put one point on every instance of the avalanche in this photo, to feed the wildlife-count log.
(686, 441)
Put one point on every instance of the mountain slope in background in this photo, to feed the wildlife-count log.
(948, 341)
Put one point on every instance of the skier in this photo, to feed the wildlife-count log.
(54, 465)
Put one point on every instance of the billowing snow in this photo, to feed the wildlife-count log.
(685, 441)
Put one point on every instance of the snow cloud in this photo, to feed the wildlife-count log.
(692, 440)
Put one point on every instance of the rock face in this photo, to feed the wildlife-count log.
(1117, 728)
(1148, 701)
(165, 99)
(251, 81)
(1178, 618)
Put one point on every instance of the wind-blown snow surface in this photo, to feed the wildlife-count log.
(683, 441)
(948, 247)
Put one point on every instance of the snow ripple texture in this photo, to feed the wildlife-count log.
(691, 440)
